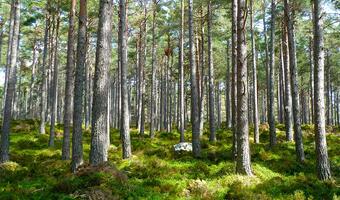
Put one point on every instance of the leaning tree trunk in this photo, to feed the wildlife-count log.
(43, 97)
(4, 148)
(212, 127)
(194, 89)
(233, 76)
(79, 83)
(8, 59)
(125, 124)
(294, 83)
(255, 106)
(271, 74)
(54, 90)
(69, 83)
(243, 152)
(323, 168)
(99, 151)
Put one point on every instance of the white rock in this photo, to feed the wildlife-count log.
(183, 146)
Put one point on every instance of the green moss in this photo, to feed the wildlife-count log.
(155, 172)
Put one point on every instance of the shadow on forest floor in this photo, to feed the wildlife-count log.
(156, 172)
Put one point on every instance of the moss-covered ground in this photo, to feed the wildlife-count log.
(156, 172)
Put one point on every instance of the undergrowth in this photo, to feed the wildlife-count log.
(156, 172)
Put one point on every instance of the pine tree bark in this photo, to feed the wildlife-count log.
(194, 89)
(271, 74)
(181, 75)
(125, 124)
(311, 78)
(212, 125)
(43, 97)
(234, 78)
(202, 74)
(99, 151)
(243, 152)
(288, 96)
(255, 106)
(79, 83)
(294, 83)
(323, 167)
(65, 155)
(7, 115)
(227, 90)
(54, 87)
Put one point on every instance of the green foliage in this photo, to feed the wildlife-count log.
(156, 172)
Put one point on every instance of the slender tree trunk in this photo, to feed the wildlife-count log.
(33, 77)
(43, 100)
(181, 75)
(323, 168)
(69, 83)
(78, 100)
(54, 89)
(255, 111)
(202, 77)
(212, 127)
(99, 151)
(243, 152)
(234, 78)
(219, 105)
(153, 79)
(288, 97)
(266, 97)
(271, 115)
(294, 83)
(4, 150)
(311, 78)
(227, 90)
(8, 59)
(125, 124)
(194, 90)
(328, 89)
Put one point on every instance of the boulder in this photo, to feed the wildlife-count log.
(183, 147)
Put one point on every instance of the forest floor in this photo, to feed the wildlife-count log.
(156, 172)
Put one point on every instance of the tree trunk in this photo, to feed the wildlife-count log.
(99, 151)
(271, 115)
(4, 150)
(323, 168)
(54, 89)
(202, 77)
(153, 79)
(78, 100)
(311, 78)
(255, 106)
(181, 75)
(227, 90)
(288, 96)
(266, 97)
(194, 90)
(233, 77)
(69, 83)
(212, 127)
(43, 100)
(294, 83)
(243, 152)
(33, 78)
(125, 124)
